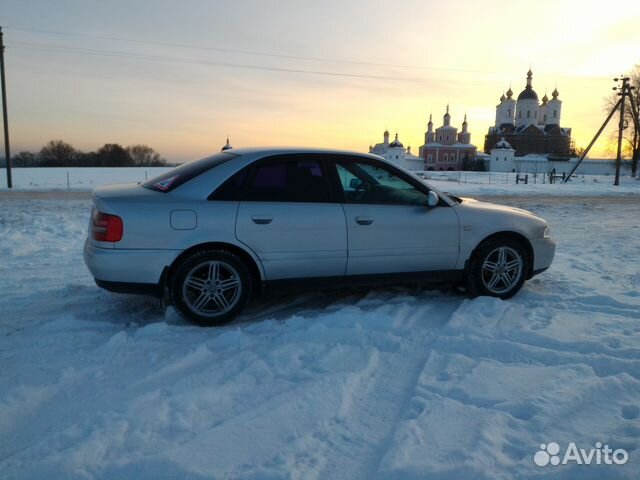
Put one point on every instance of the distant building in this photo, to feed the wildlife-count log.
(446, 149)
(226, 146)
(530, 126)
(503, 159)
(396, 153)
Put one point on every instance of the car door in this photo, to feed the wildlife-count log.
(288, 218)
(390, 227)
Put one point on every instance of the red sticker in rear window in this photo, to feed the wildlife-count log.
(165, 184)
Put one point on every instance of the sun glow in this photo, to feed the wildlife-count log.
(274, 77)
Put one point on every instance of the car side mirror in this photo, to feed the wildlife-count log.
(432, 199)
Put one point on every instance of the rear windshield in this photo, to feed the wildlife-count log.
(185, 172)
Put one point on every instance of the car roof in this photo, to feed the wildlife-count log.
(284, 150)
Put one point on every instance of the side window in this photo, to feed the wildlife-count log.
(230, 189)
(288, 181)
(372, 184)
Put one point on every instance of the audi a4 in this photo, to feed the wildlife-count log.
(211, 233)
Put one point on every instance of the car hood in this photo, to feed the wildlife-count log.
(488, 218)
(476, 204)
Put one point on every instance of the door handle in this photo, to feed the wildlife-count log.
(364, 220)
(261, 219)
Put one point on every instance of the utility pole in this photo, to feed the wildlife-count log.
(7, 150)
(621, 126)
(624, 91)
(636, 124)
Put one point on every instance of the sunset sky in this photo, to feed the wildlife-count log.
(366, 66)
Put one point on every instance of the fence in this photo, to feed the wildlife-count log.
(78, 178)
(501, 178)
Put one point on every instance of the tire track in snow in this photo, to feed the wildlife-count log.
(352, 444)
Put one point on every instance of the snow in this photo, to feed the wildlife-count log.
(77, 178)
(386, 383)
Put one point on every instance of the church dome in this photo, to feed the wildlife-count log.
(396, 143)
(226, 146)
(503, 144)
(528, 94)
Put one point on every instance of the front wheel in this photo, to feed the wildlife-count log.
(498, 268)
(210, 288)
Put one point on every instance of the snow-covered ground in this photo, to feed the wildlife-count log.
(387, 383)
(77, 178)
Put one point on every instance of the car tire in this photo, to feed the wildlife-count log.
(498, 268)
(210, 288)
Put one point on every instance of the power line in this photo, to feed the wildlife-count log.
(240, 51)
(265, 54)
(195, 61)
(138, 56)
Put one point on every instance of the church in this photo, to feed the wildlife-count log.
(530, 126)
(396, 152)
(445, 148)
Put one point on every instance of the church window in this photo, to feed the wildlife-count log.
(528, 113)
(520, 114)
(545, 117)
(509, 112)
(555, 113)
(446, 158)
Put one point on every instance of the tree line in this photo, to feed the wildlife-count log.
(57, 153)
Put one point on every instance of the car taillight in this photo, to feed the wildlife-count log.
(106, 228)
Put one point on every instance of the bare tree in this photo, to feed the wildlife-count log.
(144, 156)
(113, 155)
(57, 153)
(25, 159)
(631, 136)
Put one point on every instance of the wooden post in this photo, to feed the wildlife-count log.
(7, 150)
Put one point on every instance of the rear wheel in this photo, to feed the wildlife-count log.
(210, 288)
(498, 268)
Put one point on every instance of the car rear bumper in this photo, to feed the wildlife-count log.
(544, 250)
(152, 289)
(124, 266)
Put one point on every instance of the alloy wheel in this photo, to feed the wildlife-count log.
(212, 288)
(502, 269)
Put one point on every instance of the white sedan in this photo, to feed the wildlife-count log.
(212, 232)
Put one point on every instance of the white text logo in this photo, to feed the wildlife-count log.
(549, 454)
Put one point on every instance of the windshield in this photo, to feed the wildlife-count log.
(187, 171)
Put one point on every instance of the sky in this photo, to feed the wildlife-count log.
(300, 72)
